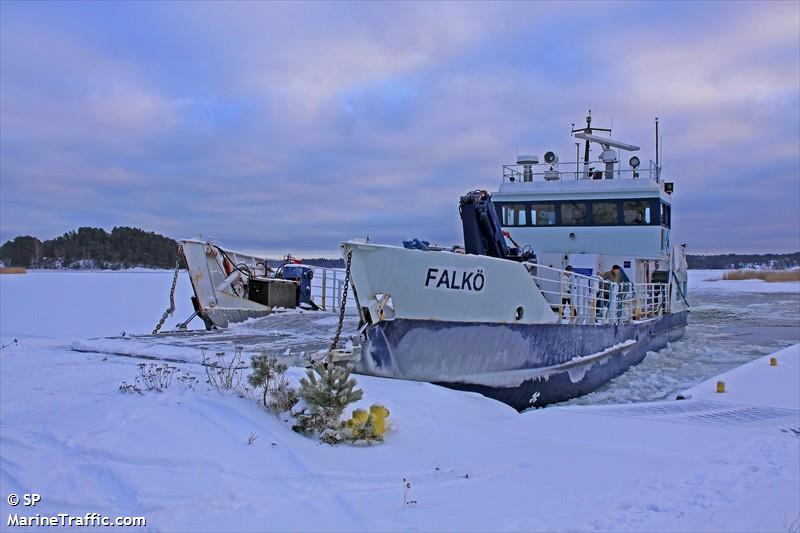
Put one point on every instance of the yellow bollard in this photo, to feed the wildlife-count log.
(379, 414)
(773, 361)
(360, 416)
(720, 386)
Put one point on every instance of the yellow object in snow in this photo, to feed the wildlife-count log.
(379, 415)
(720, 386)
(359, 418)
(773, 361)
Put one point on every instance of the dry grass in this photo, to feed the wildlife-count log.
(766, 275)
(13, 270)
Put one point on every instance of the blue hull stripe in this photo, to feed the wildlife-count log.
(436, 351)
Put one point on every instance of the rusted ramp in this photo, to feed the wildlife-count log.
(290, 335)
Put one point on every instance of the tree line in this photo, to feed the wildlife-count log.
(127, 247)
(124, 247)
(89, 247)
(743, 261)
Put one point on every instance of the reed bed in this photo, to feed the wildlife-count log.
(766, 275)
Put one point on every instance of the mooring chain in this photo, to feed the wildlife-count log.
(344, 301)
(171, 308)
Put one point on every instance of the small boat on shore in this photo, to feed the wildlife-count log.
(566, 279)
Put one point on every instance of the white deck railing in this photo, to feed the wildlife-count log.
(576, 171)
(327, 287)
(592, 300)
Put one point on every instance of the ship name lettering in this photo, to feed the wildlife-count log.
(455, 279)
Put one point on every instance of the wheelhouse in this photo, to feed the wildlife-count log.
(589, 214)
(605, 212)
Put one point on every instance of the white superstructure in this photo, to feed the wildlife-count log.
(593, 214)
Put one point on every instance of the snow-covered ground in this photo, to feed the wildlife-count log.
(182, 460)
(712, 280)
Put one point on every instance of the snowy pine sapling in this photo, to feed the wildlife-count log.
(326, 390)
(269, 374)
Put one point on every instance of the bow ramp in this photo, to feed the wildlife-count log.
(292, 336)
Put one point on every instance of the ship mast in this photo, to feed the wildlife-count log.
(588, 129)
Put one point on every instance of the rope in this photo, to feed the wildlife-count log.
(171, 308)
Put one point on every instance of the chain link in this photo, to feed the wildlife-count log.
(335, 341)
(171, 308)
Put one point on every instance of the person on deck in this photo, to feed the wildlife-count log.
(566, 292)
(612, 276)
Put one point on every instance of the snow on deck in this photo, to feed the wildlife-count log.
(289, 335)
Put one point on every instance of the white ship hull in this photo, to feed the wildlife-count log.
(500, 336)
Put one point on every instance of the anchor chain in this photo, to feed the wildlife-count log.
(335, 341)
(171, 308)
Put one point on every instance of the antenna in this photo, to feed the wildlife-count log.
(656, 144)
(587, 130)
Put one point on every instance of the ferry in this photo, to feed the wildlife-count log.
(567, 277)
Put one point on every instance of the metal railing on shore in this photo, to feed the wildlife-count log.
(592, 300)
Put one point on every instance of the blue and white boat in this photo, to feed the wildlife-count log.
(566, 279)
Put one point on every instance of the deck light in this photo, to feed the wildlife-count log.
(634, 162)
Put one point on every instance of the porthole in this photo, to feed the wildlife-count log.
(518, 314)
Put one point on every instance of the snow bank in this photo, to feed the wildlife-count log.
(181, 459)
(757, 382)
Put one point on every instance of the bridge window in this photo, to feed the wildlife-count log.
(637, 212)
(605, 213)
(543, 214)
(573, 214)
(515, 215)
(666, 215)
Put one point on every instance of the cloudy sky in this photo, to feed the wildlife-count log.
(290, 127)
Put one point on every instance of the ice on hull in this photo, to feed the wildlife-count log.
(514, 363)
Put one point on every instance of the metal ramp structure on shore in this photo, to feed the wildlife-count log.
(291, 336)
